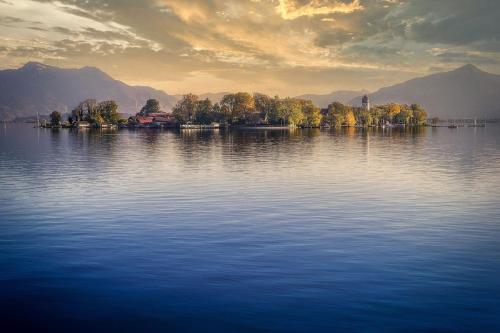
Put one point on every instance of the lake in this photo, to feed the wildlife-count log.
(250, 231)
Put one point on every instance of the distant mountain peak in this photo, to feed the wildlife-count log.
(92, 69)
(36, 87)
(38, 66)
(33, 65)
(470, 68)
(95, 72)
(466, 92)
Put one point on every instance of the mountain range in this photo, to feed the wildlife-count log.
(36, 87)
(466, 92)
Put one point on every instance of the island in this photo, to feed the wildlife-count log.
(240, 110)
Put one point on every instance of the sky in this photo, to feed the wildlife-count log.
(286, 47)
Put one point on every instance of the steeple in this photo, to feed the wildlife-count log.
(366, 103)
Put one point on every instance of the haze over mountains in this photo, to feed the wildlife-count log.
(342, 96)
(40, 88)
(214, 97)
(466, 92)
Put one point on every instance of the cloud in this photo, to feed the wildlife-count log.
(275, 46)
(56, 20)
(449, 21)
(291, 9)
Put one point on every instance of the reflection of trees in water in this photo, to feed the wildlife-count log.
(375, 141)
(197, 146)
(199, 135)
(193, 142)
(58, 141)
(409, 132)
(105, 139)
(97, 147)
(256, 145)
(406, 135)
(402, 132)
(272, 135)
(245, 139)
(73, 148)
(151, 140)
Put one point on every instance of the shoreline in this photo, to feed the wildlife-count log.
(243, 128)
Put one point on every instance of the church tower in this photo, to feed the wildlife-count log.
(366, 103)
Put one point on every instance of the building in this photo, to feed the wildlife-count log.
(366, 103)
(160, 119)
(163, 119)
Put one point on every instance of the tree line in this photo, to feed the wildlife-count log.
(245, 109)
(258, 109)
(99, 113)
(96, 113)
(338, 114)
(91, 111)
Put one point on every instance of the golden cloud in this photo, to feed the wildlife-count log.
(290, 10)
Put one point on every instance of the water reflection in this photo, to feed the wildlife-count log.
(254, 230)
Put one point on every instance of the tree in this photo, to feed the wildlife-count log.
(419, 115)
(282, 111)
(204, 112)
(85, 110)
(312, 114)
(238, 106)
(378, 115)
(336, 114)
(152, 106)
(226, 106)
(405, 115)
(97, 119)
(185, 110)
(295, 114)
(55, 118)
(393, 110)
(274, 115)
(244, 106)
(217, 114)
(365, 117)
(350, 120)
(108, 110)
(290, 111)
(264, 106)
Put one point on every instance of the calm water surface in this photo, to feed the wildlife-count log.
(250, 231)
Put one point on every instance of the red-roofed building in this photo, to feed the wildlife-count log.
(153, 120)
(144, 120)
